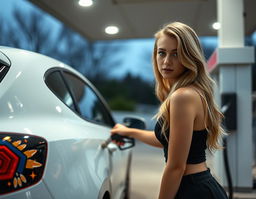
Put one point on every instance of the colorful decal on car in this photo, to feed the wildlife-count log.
(22, 161)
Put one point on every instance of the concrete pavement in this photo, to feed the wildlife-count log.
(147, 168)
(146, 172)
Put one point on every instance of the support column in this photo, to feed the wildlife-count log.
(233, 61)
(230, 16)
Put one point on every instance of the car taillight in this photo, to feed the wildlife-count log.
(22, 161)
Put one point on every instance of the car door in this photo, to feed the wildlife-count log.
(93, 108)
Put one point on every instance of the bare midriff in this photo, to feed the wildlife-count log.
(195, 168)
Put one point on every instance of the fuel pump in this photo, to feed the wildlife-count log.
(229, 110)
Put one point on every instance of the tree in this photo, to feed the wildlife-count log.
(96, 60)
(31, 33)
(72, 49)
(2, 33)
(103, 60)
(93, 59)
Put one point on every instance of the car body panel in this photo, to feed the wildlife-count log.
(37, 191)
(76, 166)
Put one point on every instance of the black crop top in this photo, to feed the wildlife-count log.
(197, 149)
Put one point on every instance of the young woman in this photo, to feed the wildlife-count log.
(188, 119)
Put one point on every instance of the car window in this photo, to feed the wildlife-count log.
(4, 65)
(3, 71)
(90, 106)
(56, 83)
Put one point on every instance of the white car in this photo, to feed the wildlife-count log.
(53, 122)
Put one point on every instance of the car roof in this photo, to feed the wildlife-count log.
(39, 63)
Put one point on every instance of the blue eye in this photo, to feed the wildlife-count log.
(175, 54)
(161, 53)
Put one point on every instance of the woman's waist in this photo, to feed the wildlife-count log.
(195, 168)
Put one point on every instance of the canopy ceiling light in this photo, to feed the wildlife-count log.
(85, 3)
(216, 25)
(111, 30)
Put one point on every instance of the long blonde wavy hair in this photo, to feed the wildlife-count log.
(190, 54)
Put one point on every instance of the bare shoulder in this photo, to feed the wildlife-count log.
(184, 95)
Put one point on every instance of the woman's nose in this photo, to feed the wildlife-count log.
(167, 59)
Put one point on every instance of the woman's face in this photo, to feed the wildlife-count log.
(167, 60)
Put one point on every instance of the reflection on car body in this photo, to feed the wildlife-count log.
(53, 122)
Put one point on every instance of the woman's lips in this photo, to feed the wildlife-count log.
(167, 70)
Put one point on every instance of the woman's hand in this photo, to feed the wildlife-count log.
(146, 136)
(121, 130)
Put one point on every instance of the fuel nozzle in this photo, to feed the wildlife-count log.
(126, 142)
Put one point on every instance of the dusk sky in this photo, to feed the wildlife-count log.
(134, 49)
(135, 53)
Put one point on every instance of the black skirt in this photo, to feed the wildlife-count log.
(200, 185)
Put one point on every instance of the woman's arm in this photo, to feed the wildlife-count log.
(182, 116)
(145, 136)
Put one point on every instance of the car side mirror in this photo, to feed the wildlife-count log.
(134, 122)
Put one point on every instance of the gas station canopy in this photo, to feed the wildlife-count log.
(140, 18)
